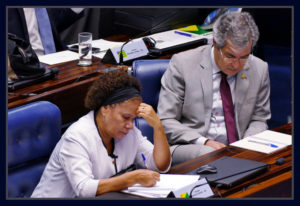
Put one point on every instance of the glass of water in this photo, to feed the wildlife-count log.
(85, 48)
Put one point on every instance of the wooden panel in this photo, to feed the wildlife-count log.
(281, 184)
(67, 91)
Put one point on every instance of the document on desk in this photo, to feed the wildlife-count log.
(265, 142)
(104, 45)
(58, 57)
(175, 37)
(167, 183)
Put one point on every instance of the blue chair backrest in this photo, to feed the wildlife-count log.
(33, 131)
(149, 73)
(280, 71)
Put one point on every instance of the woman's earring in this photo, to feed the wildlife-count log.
(102, 120)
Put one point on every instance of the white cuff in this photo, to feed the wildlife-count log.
(77, 10)
(90, 188)
(200, 140)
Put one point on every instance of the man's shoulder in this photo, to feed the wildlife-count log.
(258, 65)
(194, 52)
(191, 57)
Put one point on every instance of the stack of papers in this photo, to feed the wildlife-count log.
(58, 57)
(104, 45)
(163, 40)
(66, 56)
(265, 142)
(173, 37)
(167, 183)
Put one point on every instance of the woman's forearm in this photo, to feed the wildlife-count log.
(144, 177)
(161, 152)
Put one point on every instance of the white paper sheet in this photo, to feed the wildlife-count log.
(265, 142)
(167, 183)
(170, 38)
(58, 57)
(104, 45)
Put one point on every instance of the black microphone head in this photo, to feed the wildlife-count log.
(121, 57)
(280, 161)
(154, 52)
(150, 42)
(113, 156)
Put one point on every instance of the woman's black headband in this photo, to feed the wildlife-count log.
(121, 95)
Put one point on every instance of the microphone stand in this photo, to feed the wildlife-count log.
(121, 61)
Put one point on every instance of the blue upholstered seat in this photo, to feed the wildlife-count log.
(33, 131)
(149, 73)
(280, 70)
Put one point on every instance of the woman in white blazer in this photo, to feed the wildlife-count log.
(93, 153)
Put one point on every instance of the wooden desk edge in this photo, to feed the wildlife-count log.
(262, 185)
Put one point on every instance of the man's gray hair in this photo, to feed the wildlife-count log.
(238, 26)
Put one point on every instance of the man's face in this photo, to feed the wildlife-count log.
(231, 59)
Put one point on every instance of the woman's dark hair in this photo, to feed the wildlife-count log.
(106, 85)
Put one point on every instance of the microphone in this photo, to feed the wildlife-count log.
(145, 32)
(111, 58)
(113, 156)
(114, 161)
(280, 161)
(128, 169)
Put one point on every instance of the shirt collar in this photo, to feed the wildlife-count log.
(216, 69)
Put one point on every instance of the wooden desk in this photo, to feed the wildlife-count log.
(277, 182)
(68, 90)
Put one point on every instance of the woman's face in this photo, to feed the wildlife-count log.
(118, 119)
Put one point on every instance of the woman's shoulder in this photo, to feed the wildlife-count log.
(81, 129)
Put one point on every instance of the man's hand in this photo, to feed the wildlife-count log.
(214, 144)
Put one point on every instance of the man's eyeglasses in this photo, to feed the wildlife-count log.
(232, 59)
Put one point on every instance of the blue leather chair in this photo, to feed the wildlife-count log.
(280, 70)
(33, 131)
(149, 73)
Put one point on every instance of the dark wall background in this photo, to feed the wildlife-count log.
(274, 23)
(104, 22)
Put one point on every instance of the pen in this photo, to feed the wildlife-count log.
(144, 159)
(182, 33)
(267, 144)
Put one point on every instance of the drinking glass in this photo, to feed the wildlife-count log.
(85, 48)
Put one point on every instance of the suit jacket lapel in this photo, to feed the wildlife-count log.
(241, 88)
(23, 24)
(206, 81)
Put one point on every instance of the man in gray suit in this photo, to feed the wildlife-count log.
(190, 103)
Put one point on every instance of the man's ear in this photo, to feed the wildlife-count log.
(214, 43)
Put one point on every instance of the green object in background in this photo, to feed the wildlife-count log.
(196, 29)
